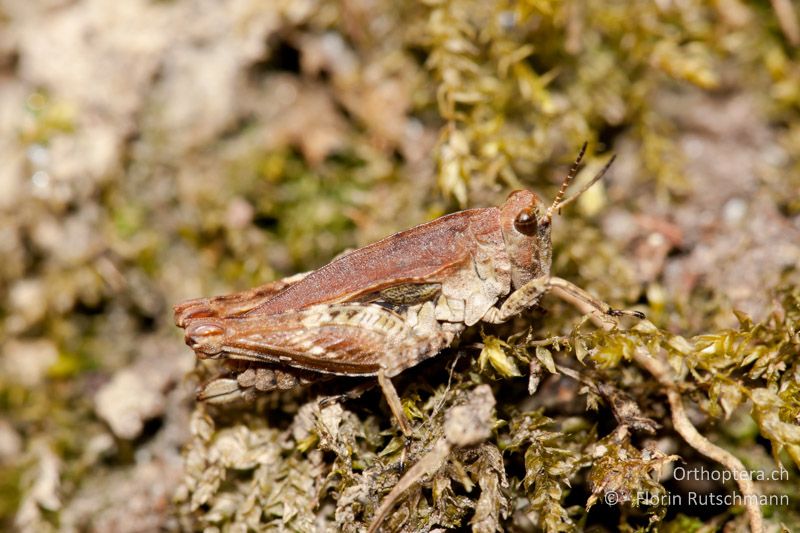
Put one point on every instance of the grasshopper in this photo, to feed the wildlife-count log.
(384, 308)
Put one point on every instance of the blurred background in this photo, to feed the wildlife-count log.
(158, 150)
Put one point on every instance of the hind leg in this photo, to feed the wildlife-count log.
(249, 382)
(393, 399)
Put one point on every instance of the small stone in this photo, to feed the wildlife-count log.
(734, 210)
(239, 214)
(28, 301)
(10, 442)
(27, 362)
(126, 402)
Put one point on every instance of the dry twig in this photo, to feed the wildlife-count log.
(686, 429)
(787, 19)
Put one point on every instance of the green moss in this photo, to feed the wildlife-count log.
(10, 492)
(50, 117)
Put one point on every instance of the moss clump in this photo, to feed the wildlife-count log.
(541, 462)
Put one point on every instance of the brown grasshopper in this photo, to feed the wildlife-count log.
(381, 309)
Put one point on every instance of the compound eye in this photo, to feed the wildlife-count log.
(526, 223)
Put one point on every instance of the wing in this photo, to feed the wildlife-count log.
(424, 254)
(399, 297)
(230, 305)
(350, 339)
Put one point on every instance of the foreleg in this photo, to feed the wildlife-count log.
(529, 294)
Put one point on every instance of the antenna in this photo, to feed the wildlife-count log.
(558, 203)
